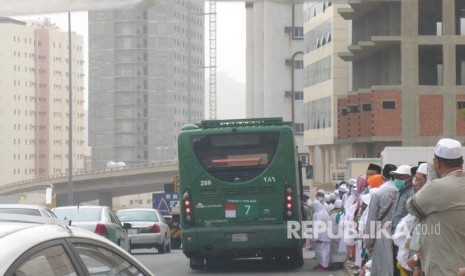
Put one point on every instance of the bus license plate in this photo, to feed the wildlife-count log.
(242, 237)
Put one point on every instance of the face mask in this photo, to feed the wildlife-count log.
(320, 198)
(400, 184)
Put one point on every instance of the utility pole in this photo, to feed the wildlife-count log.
(70, 117)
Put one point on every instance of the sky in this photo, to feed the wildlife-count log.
(230, 45)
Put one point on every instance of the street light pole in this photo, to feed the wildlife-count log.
(292, 86)
(70, 118)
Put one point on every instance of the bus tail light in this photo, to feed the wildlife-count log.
(187, 207)
(288, 203)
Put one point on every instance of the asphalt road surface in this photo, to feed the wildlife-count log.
(176, 264)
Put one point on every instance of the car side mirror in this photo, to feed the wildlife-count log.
(127, 225)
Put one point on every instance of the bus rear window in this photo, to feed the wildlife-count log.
(235, 157)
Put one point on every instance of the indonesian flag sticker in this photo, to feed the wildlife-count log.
(230, 210)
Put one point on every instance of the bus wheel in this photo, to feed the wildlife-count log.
(196, 263)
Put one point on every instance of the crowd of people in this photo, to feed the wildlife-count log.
(395, 219)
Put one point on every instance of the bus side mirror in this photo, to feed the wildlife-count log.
(309, 171)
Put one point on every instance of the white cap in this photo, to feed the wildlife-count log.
(448, 148)
(402, 169)
(343, 188)
(307, 194)
(352, 182)
(423, 168)
(338, 204)
(327, 197)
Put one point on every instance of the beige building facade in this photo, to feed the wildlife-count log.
(34, 100)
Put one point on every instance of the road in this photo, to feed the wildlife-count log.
(175, 263)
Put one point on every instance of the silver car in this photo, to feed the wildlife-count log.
(26, 209)
(98, 219)
(148, 230)
(44, 246)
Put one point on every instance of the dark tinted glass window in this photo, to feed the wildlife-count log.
(389, 105)
(235, 157)
(366, 107)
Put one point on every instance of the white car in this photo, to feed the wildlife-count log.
(26, 209)
(148, 229)
(98, 219)
(44, 246)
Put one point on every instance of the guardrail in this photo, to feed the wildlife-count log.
(17, 184)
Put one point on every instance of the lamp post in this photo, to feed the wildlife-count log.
(70, 117)
(292, 85)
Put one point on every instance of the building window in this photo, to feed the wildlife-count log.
(298, 33)
(298, 64)
(366, 107)
(318, 114)
(389, 104)
(303, 157)
(353, 109)
(298, 95)
(298, 128)
(461, 105)
(344, 111)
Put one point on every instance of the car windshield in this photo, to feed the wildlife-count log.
(79, 214)
(20, 211)
(126, 216)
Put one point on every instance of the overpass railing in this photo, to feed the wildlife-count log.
(27, 182)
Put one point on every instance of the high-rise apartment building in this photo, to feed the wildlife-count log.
(406, 78)
(274, 64)
(34, 100)
(146, 80)
(326, 79)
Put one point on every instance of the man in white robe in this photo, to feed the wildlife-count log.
(378, 242)
(321, 240)
(338, 257)
(440, 205)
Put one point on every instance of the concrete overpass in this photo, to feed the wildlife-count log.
(100, 184)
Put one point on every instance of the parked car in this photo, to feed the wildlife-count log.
(98, 219)
(48, 246)
(26, 209)
(149, 229)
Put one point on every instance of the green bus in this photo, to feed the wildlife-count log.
(239, 186)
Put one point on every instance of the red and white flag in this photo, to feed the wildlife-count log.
(230, 210)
